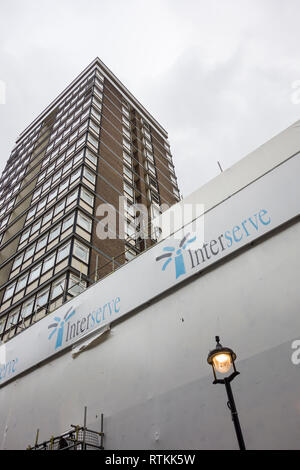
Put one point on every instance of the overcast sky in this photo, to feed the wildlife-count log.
(217, 74)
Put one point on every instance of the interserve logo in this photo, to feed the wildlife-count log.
(215, 248)
(59, 326)
(178, 255)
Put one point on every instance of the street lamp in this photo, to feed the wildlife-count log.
(222, 361)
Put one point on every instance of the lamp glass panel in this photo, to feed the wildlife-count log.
(222, 362)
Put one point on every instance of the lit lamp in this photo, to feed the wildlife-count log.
(222, 361)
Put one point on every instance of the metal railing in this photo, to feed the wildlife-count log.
(78, 438)
(109, 267)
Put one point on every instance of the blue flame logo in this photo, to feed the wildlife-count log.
(59, 326)
(179, 260)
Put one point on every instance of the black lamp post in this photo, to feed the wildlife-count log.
(222, 361)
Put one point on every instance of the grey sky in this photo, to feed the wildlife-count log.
(217, 74)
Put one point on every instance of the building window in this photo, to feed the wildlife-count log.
(68, 222)
(27, 308)
(149, 156)
(147, 134)
(153, 183)
(98, 94)
(17, 262)
(64, 145)
(80, 141)
(127, 145)
(70, 150)
(9, 292)
(173, 179)
(22, 282)
(75, 176)
(128, 174)
(93, 141)
(24, 236)
(127, 159)
(59, 207)
(63, 186)
(13, 318)
(76, 286)
(56, 176)
(4, 222)
(126, 133)
(47, 217)
(31, 213)
(72, 197)
(38, 191)
(63, 252)
(52, 195)
(145, 124)
(96, 114)
(97, 103)
(128, 189)
(151, 168)
(125, 112)
(54, 233)
(99, 75)
(2, 324)
(73, 136)
(48, 263)
(95, 128)
(34, 273)
(126, 121)
(171, 168)
(50, 169)
(154, 197)
(67, 167)
(42, 242)
(147, 145)
(89, 175)
(36, 227)
(81, 252)
(58, 288)
(130, 210)
(84, 222)
(87, 197)
(42, 298)
(41, 204)
(91, 157)
(130, 230)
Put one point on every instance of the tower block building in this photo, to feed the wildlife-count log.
(94, 144)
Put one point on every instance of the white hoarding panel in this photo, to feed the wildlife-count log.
(254, 211)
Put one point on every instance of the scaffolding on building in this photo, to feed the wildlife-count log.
(77, 438)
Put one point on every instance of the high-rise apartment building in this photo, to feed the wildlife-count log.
(94, 144)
